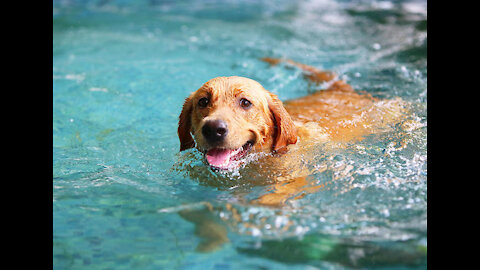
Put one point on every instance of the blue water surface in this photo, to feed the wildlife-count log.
(121, 71)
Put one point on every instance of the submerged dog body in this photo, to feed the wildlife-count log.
(229, 117)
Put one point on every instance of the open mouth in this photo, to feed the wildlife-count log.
(219, 158)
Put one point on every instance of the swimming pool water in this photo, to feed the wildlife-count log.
(121, 71)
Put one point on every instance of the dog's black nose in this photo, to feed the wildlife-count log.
(214, 131)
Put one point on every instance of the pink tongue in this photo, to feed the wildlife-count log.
(218, 157)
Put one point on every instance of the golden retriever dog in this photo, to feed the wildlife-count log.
(229, 118)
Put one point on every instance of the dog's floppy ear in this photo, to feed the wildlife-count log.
(285, 131)
(185, 125)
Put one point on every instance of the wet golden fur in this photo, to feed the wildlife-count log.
(337, 114)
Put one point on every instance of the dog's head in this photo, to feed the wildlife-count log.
(231, 116)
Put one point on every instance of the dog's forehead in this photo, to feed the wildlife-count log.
(234, 85)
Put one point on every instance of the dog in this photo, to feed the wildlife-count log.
(230, 118)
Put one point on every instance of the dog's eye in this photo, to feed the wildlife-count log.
(203, 102)
(245, 103)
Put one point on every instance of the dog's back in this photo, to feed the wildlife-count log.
(343, 114)
(338, 113)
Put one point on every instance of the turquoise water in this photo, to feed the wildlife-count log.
(121, 71)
